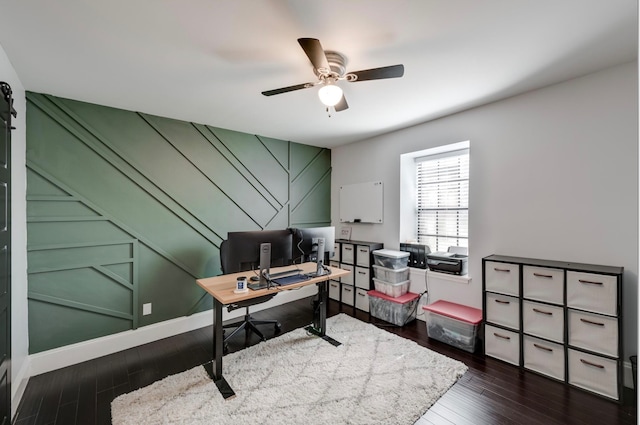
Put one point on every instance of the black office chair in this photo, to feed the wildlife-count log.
(248, 322)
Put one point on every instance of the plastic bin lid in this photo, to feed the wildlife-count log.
(455, 311)
(390, 253)
(402, 299)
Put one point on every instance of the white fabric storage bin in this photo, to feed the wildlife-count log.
(390, 275)
(544, 357)
(592, 292)
(543, 284)
(362, 299)
(348, 279)
(348, 294)
(593, 332)
(502, 344)
(503, 310)
(334, 290)
(362, 256)
(362, 278)
(335, 264)
(593, 373)
(543, 320)
(347, 254)
(391, 289)
(502, 277)
(391, 259)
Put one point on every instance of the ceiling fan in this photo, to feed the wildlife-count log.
(330, 67)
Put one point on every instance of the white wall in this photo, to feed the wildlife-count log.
(19, 318)
(554, 175)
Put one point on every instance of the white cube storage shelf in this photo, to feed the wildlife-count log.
(355, 257)
(559, 319)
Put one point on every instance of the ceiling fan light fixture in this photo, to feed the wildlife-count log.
(330, 94)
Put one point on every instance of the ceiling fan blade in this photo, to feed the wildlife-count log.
(393, 71)
(287, 89)
(315, 52)
(342, 105)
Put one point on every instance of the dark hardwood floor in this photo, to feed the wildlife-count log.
(491, 392)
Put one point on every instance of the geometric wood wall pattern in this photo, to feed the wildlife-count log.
(125, 208)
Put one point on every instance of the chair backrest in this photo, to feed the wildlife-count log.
(226, 263)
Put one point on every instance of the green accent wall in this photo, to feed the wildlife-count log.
(125, 208)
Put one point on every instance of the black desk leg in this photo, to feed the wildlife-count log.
(320, 314)
(214, 369)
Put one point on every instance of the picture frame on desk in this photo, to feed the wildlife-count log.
(345, 233)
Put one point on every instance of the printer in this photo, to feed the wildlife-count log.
(452, 261)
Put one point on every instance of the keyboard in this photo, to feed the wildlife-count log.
(292, 272)
(290, 280)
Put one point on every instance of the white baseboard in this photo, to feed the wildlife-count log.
(18, 385)
(57, 358)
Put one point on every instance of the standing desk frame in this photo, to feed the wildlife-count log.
(221, 288)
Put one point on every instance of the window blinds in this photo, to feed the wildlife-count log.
(443, 200)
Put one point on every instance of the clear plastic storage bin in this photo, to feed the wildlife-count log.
(391, 289)
(391, 259)
(390, 275)
(399, 311)
(453, 324)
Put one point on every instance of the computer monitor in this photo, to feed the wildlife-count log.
(307, 247)
(245, 250)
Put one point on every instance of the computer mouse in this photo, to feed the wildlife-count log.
(254, 278)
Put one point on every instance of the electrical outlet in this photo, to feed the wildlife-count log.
(146, 309)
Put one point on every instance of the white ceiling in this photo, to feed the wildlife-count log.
(208, 61)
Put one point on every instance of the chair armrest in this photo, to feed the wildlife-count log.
(252, 301)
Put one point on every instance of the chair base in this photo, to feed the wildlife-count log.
(250, 324)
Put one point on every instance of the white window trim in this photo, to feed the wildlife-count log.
(408, 225)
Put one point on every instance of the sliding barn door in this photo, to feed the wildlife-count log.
(6, 111)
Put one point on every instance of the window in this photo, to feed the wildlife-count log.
(442, 198)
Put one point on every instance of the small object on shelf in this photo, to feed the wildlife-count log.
(453, 324)
(391, 259)
(399, 311)
(241, 285)
(447, 262)
(345, 232)
(417, 254)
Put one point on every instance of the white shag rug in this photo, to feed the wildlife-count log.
(374, 377)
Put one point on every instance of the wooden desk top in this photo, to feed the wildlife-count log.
(222, 287)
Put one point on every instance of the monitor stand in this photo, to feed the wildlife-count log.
(265, 263)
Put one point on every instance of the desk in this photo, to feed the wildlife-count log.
(222, 289)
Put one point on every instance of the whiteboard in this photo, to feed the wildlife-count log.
(361, 203)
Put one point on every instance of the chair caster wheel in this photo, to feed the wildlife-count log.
(225, 349)
(278, 328)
